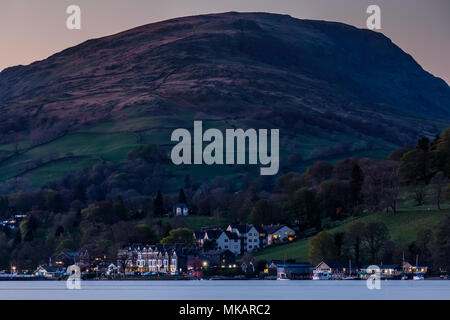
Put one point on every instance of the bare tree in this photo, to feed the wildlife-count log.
(438, 182)
(419, 192)
(381, 185)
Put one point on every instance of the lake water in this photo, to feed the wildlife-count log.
(225, 290)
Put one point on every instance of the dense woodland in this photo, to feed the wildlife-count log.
(110, 205)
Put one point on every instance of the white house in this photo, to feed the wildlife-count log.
(180, 209)
(49, 271)
(249, 236)
(152, 258)
(278, 234)
(223, 240)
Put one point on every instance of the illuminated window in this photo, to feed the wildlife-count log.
(290, 233)
(274, 236)
(255, 234)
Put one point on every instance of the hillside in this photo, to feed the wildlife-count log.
(403, 228)
(332, 89)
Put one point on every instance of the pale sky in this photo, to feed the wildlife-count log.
(35, 29)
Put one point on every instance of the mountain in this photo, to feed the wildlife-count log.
(331, 88)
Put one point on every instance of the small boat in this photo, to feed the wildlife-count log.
(349, 277)
(418, 276)
(322, 275)
(404, 277)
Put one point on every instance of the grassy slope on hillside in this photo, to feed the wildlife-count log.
(403, 225)
(113, 139)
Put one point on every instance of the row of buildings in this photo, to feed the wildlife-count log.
(240, 239)
(12, 222)
(178, 260)
(172, 259)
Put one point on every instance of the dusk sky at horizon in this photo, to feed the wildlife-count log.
(33, 30)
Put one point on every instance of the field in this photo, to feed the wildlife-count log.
(403, 226)
(112, 140)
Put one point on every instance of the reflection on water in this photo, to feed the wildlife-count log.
(224, 290)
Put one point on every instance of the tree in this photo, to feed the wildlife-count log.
(80, 192)
(187, 182)
(119, 208)
(305, 209)
(99, 212)
(441, 247)
(356, 183)
(181, 197)
(416, 165)
(264, 212)
(422, 244)
(143, 234)
(59, 231)
(338, 242)
(321, 247)
(180, 235)
(334, 198)
(158, 205)
(375, 235)
(354, 237)
(381, 185)
(419, 192)
(248, 262)
(439, 181)
(441, 159)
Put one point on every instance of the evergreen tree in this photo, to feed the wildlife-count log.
(356, 183)
(79, 193)
(119, 208)
(182, 197)
(187, 181)
(158, 205)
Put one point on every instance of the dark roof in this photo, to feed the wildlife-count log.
(162, 248)
(182, 205)
(293, 265)
(337, 264)
(242, 228)
(199, 234)
(260, 229)
(231, 235)
(213, 233)
(273, 227)
(51, 268)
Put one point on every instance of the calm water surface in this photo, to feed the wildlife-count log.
(225, 290)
